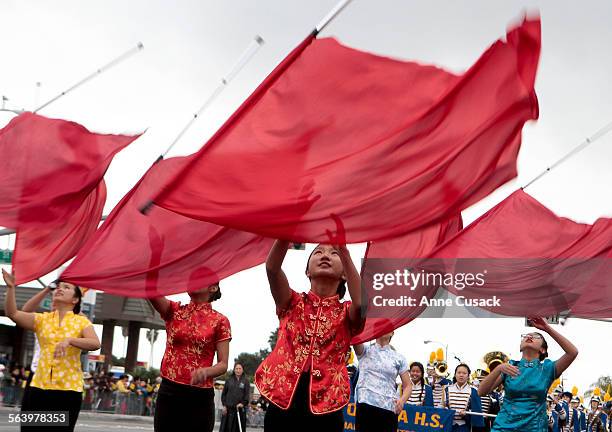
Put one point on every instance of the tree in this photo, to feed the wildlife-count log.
(148, 375)
(603, 383)
(117, 361)
(273, 339)
(251, 361)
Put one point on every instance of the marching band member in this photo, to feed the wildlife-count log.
(570, 413)
(553, 415)
(527, 381)
(375, 394)
(462, 397)
(596, 421)
(305, 376)
(422, 394)
(578, 423)
(488, 402)
(437, 376)
(583, 420)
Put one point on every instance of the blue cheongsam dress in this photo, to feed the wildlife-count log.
(524, 407)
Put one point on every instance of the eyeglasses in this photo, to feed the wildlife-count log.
(532, 336)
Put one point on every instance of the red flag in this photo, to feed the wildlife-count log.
(363, 139)
(50, 176)
(40, 250)
(536, 262)
(385, 256)
(161, 253)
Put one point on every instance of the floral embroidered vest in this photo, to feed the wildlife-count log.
(315, 330)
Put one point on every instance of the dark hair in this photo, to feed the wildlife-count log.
(422, 369)
(341, 290)
(78, 295)
(545, 346)
(458, 366)
(216, 295)
(234, 371)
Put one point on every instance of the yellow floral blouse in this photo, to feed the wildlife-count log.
(63, 373)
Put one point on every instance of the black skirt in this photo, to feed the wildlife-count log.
(184, 407)
(53, 400)
(298, 417)
(369, 418)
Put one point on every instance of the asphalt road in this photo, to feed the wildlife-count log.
(92, 422)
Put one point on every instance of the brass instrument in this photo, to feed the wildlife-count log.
(495, 358)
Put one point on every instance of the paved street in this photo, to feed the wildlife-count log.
(93, 422)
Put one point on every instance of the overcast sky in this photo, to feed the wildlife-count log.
(190, 45)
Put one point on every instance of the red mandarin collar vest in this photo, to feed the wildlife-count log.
(314, 332)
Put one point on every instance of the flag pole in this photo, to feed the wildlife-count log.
(588, 141)
(481, 414)
(279, 70)
(331, 15)
(99, 71)
(248, 54)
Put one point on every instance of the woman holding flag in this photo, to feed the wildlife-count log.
(526, 382)
(195, 333)
(62, 333)
(305, 376)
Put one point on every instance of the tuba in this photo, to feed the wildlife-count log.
(495, 358)
(441, 367)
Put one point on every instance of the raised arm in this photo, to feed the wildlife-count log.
(32, 304)
(570, 350)
(161, 305)
(279, 286)
(353, 282)
(22, 319)
(359, 349)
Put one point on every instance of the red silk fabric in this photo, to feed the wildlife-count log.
(50, 183)
(161, 253)
(417, 244)
(40, 250)
(383, 146)
(537, 263)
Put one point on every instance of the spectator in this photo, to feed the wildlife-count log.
(88, 392)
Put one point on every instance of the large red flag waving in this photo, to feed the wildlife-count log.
(161, 253)
(385, 256)
(536, 263)
(41, 249)
(50, 175)
(363, 139)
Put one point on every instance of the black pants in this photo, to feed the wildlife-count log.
(25, 399)
(183, 407)
(53, 400)
(229, 422)
(369, 418)
(298, 417)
